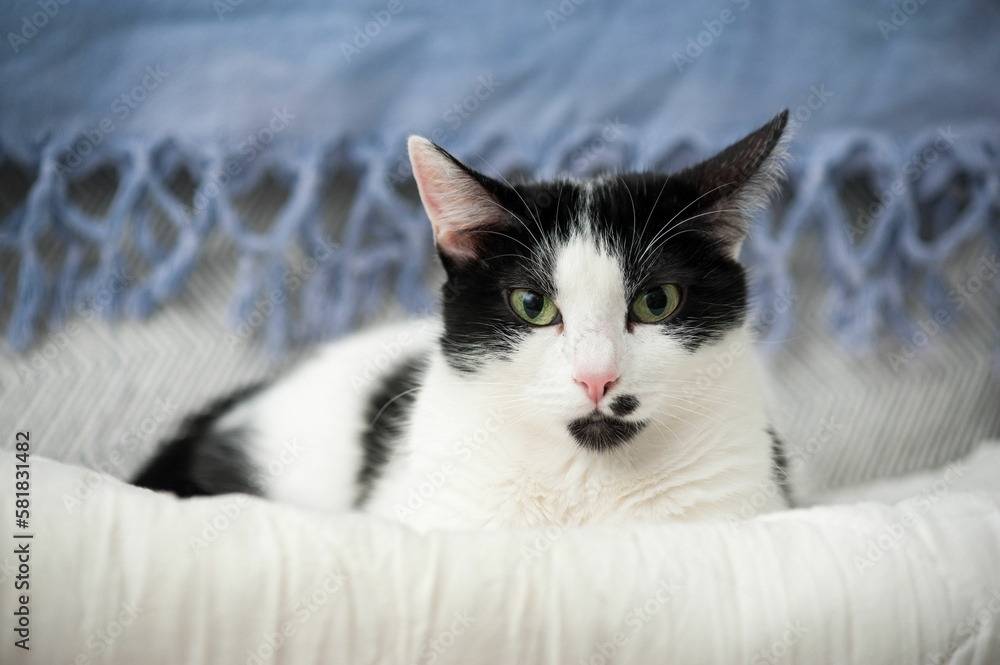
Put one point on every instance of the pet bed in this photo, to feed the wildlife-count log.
(128, 576)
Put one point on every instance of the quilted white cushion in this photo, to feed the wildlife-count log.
(122, 575)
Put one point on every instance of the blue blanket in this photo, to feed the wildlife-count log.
(896, 157)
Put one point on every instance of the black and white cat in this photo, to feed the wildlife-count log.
(561, 383)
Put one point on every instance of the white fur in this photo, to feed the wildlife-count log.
(491, 449)
(305, 429)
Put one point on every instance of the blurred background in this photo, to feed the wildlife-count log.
(193, 193)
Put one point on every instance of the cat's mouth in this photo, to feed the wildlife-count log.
(600, 432)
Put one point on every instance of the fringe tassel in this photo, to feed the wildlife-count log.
(919, 205)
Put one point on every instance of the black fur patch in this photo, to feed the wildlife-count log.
(780, 464)
(203, 461)
(623, 405)
(676, 247)
(478, 321)
(600, 433)
(386, 415)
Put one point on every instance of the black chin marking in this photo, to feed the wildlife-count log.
(623, 405)
(599, 432)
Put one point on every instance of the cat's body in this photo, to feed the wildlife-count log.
(592, 365)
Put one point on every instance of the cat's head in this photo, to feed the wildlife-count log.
(582, 302)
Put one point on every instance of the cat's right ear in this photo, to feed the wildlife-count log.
(457, 202)
(737, 182)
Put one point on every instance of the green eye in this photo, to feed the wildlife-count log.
(656, 304)
(533, 307)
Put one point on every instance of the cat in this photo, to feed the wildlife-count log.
(565, 382)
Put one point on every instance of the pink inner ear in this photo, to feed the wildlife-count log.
(455, 203)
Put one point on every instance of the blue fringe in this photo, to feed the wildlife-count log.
(875, 260)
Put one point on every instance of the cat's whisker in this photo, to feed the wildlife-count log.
(390, 401)
(533, 216)
(699, 198)
(720, 399)
(495, 203)
(652, 208)
(669, 232)
(707, 413)
(673, 233)
(676, 215)
(659, 423)
(508, 237)
(706, 403)
(635, 221)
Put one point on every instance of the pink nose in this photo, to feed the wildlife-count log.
(596, 383)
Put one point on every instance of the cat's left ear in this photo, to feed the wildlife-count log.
(738, 182)
(458, 201)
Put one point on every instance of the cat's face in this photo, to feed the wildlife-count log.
(587, 306)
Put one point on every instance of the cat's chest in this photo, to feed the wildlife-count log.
(493, 490)
(500, 494)
(519, 498)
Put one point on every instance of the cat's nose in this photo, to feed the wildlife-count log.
(596, 383)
